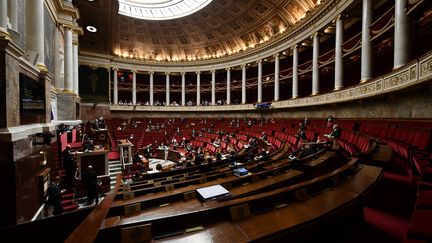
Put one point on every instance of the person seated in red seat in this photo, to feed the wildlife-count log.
(336, 133)
(101, 123)
(95, 124)
(333, 136)
(301, 134)
(264, 136)
(330, 121)
(88, 146)
(306, 122)
(136, 158)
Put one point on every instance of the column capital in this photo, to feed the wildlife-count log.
(276, 55)
(183, 73)
(212, 71)
(243, 65)
(228, 69)
(115, 68)
(4, 34)
(151, 72)
(134, 71)
(339, 17)
(295, 46)
(316, 34)
(67, 27)
(198, 72)
(75, 42)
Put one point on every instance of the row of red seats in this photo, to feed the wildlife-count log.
(355, 143)
(401, 138)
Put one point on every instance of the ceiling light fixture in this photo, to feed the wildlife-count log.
(90, 28)
(160, 9)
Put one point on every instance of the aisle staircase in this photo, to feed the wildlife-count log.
(114, 168)
(67, 201)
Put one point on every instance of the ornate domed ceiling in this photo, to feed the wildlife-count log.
(223, 27)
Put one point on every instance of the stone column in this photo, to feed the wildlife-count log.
(3, 19)
(295, 72)
(14, 14)
(401, 35)
(228, 79)
(276, 78)
(213, 87)
(243, 84)
(183, 89)
(259, 98)
(167, 93)
(198, 87)
(68, 61)
(315, 65)
(115, 88)
(134, 90)
(35, 31)
(338, 54)
(75, 67)
(151, 89)
(366, 48)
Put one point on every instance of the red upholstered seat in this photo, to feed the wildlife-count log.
(421, 225)
(424, 199)
(408, 240)
(422, 163)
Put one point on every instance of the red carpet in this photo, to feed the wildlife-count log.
(113, 156)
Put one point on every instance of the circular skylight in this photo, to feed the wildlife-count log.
(160, 9)
(91, 28)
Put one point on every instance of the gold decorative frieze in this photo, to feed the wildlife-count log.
(396, 80)
(426, 67)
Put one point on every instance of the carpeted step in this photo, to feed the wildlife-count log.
(70, 207)
(66, 202)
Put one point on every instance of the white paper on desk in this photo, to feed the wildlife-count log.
(212, 191)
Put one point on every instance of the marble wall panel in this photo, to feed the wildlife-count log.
(12, 91)
(66, 106)
(90, 112)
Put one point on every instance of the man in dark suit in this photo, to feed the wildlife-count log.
(54, 196)
(91, 182)
(336, 133)
(69, 166)
(334, 136)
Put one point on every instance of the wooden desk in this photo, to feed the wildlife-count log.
(172, 155)
(101, 137)
(97, 159)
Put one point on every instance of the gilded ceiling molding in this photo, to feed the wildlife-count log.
(326, 13)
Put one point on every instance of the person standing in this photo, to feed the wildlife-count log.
(91, 182)
(54, 197)
(69, 166)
